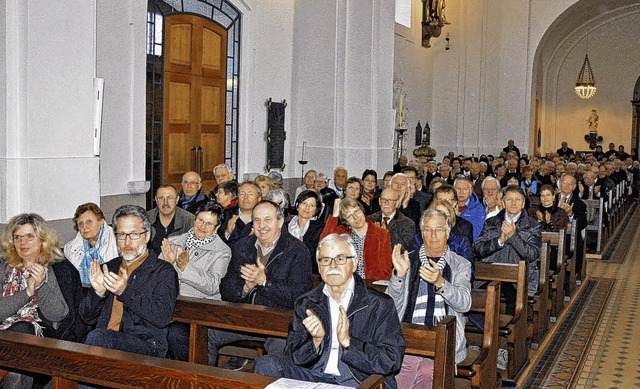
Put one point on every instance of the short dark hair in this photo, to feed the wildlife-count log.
(310, 194)
(279, 211)
(409, 169)
(229, 187)
(515, 188)
(370, 172)
(214, 208)
(446, 188)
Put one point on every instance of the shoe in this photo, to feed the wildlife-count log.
(236, 363)
(503, 359)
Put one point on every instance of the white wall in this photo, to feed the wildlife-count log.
(48, 67)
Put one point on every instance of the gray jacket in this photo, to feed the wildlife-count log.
(456, 294)
(206, 268)
(50, 299)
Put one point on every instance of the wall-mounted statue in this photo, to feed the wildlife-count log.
(592, 126)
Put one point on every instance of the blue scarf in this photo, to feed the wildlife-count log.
(90, 254)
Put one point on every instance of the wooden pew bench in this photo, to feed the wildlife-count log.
(435, 342)
(69, 363)
(595, 223)
(557, 241)
(512, 327)
(480, 367)
(539, 303)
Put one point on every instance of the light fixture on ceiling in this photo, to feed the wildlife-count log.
(586, 83)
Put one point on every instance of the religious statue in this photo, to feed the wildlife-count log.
(592, 125)
(592, 122)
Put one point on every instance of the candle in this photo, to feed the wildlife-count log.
(303, 143)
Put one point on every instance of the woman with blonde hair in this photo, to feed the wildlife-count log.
(265, 184)
(32, 302)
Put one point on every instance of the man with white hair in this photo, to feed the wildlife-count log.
(339, 183)
(342, 331)
(409, 206)
(223, 173)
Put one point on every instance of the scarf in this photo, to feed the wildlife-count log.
(295, 230)
(90, 254)
(430, 307)
(193, 242)
(15, 281)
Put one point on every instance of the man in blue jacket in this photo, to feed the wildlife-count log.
(342, 331)
(132, 296)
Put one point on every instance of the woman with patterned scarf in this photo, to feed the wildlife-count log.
(94, 240)
(200, 258)
(31, 299)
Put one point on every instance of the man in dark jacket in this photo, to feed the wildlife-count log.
(342, 331)
(401, 228)
(510, 237)
(270, 268)
(132, 296)
(577, 211)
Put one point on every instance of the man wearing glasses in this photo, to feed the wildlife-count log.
(427, 285)
(342, 331)
(132, 297)
(401, 228)
(167, 219)
(191, 196)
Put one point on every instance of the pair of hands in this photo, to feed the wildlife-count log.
(401, 264)
(314, 327)
(508, 230)
(567, 207)
(170, 254)
(253, 275)
(102, 280)
(37, 274)
(543, 217)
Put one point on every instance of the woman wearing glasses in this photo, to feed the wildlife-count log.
(94, 240)
(200, 258)
(372, 242)
(355, 190)
(31, 299)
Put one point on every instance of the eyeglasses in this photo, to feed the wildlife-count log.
(190, 183)
(351, 187)
(353, 214)
(438, 231)
(387, 201)
(23, 238)
(131, 235)
(206, 224)
(339, 260)
(162, 199)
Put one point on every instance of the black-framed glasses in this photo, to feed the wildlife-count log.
(339, 260)
(131, 235)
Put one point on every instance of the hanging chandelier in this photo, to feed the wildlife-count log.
(586, 83)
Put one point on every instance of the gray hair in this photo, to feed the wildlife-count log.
(400, 175)
(276, 177)
(131, 210)
(340, 168)
(224, 165)
(278, 196)
(435, 212)
(335, 238)
(490, 179)
(279, 211)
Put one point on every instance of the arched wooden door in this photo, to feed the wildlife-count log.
(194, 98)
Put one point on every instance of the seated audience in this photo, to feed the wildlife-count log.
(226, 195)
(372, 243)
(491, 196)
(94, 240)
(192, 194)
(510, 237)
(409, 206)
(265, 184)
(458, 243)
(281, 199)
(339, 183)
(354, 190)
(427, 285)
(308, 224)
(400, 227)
(461, 227)
(270, 268)
(278, 181)
(309, 181)
(469, 207)
(32, 302)
(414, 192)
(576, 210)
(342, 331)
(239, 225)
(547, 213)
(200, 258)
(370, 191)
(528, 183)
(167, 219)
(223, 173)
(132, 297)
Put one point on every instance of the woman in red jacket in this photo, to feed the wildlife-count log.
(372, 242)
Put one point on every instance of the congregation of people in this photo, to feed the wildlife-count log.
(421, 227)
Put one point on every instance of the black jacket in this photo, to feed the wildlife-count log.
(377, 344)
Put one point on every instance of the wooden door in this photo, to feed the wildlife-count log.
(194, 98)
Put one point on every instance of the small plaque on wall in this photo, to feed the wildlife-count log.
(276, 135)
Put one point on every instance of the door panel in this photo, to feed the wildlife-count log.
(194, 103)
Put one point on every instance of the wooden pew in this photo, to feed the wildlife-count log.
(481, 368)
(595, 212)
(69, 363)
(435, 342)
(557, 240)
(514, 328)
(540, 301)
